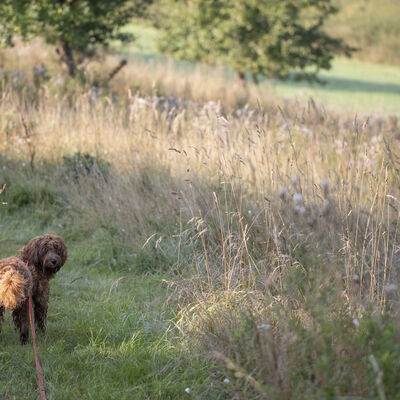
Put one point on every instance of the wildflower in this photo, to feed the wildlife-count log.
(96, 92)
(141, 102)
(300, 210)
(249, 212)
(298, 199)
(325, 184)
(325, 187)
(356, 322)
(282, 193)
(294, 181)
(40, 71)
(326, 207)
(226, 380)
(390, 288)
(187, 390)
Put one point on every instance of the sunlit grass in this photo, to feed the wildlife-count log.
(364, 88)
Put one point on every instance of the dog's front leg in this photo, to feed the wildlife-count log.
(21, 321)
(41, 303)
(1, 315)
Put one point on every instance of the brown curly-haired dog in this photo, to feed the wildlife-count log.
(45, 255)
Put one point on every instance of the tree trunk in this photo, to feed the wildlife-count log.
(254, 78)
(242, 78)
(115, 71)
(67, 56)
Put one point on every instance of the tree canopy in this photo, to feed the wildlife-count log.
(14, 19)
(81, 24)
(276, 38)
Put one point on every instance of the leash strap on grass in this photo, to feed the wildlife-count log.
(38, 368)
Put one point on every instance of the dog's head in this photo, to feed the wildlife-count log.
(46, 253)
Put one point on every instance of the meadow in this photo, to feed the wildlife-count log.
(359, 84)
(222, 244)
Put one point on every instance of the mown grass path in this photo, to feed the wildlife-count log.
(108, 333)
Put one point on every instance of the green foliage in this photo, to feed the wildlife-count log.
(76, 25)
(82, 23)
(152, 260)
(29, 193)
(14, 19)
(269, 37)
(85, 164)
(381, 339)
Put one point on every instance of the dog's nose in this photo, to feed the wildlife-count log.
(53, 261)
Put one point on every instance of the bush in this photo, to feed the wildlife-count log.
(30, 193)
(85, 164)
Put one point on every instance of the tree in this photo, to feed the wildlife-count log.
(74, 25)
(79, 25)
(277, 38)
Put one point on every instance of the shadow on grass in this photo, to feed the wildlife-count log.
(344, 84)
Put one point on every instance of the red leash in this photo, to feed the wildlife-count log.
(38, 368)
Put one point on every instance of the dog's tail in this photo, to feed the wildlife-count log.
(12, 289)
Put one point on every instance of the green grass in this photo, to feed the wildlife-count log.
(145, 39)
(351, 84)
(358, 85)
(109, 333)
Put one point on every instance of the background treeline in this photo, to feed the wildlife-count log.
(370, 25)
(277, 39)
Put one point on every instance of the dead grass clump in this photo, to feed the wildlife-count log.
(271, 348)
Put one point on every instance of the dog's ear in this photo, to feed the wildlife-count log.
(31, 253)
(60, 248)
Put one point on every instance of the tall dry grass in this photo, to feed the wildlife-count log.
(282, 219)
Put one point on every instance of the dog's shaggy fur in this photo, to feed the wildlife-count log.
(45, 256)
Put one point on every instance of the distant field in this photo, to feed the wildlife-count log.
(356, 85)
(362, 86)
(372, 26)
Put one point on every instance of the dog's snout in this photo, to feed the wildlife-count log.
(54, 261)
